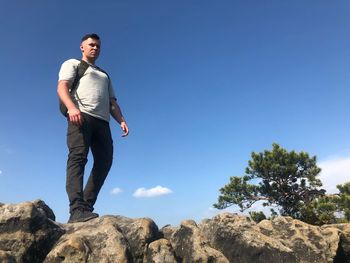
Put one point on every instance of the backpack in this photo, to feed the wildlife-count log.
(82, 67)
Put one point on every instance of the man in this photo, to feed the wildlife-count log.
(89, 108)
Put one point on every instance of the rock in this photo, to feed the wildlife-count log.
(190, 246)
(160, 251)
(26, 233)
(240, 240)
(45, 209)
(280, 240)
(97, 240)
(105, 239)
(6, 258)
(139, 233)
(343, 250)
(308, 243)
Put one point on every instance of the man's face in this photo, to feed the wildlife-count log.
(91, 48)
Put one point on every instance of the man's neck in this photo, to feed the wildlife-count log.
(90, 61)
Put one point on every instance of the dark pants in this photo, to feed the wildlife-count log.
(94, 134)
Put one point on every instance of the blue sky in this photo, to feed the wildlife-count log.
(202, 84)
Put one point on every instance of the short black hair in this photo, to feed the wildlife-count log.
(91, 35)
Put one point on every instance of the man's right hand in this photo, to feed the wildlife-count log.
(74, 114)
(75, 117)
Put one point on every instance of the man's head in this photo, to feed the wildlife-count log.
(90, 47)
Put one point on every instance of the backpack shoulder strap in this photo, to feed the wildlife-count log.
(100, 69)
(109, 79)
(82, 67)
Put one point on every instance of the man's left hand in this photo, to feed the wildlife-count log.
(124, 128)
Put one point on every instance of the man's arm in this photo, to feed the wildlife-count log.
(118, 116)
(74, 114)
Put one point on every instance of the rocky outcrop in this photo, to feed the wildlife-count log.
(28, 233)
(105, 239)
(190, 245)
(280, 240)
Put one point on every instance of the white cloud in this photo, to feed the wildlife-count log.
(116, 191)
(0, 172)
(334, 171)
(153, 192)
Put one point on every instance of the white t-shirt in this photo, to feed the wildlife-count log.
(93, 92)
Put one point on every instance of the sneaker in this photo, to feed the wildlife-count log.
(80, 215)
(89, 208)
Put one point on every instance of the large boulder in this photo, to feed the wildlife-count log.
(343, 250)
(241, 240)
(160, 251)
(139, 233)
(104, 239)
(282, 239)
(189, 244)
(308, 243)
(97, 240)
(27, 233)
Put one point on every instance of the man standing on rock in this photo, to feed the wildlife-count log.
(89, 107)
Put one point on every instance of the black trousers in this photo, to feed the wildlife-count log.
(94, 134)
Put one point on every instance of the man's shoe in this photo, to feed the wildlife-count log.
(80, 215)
(90, 209)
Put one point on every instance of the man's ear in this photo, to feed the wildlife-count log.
(81, 48)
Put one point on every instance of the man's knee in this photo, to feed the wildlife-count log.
(78, 154)
(104, 163)
(103, 157)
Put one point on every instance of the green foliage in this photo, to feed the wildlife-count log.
(343, 201)
(278, 177)
(329, 209)
(239, 192)
(273, 213)
(257, 216)
(320, 211)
